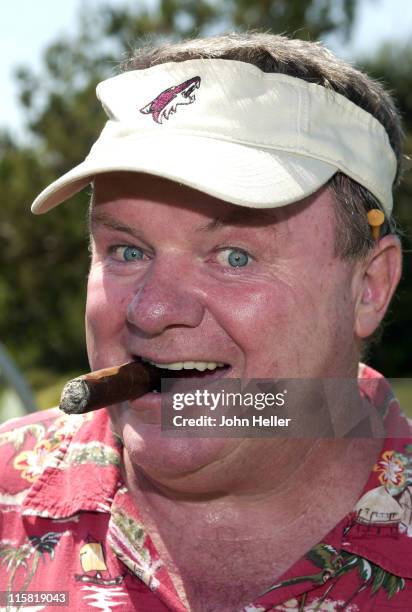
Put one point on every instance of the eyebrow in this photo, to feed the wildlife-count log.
(102, 218)
(237, 218)
(241, 217)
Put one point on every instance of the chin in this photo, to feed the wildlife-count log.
(163, 457)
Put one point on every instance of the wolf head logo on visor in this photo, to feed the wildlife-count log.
(166, 103)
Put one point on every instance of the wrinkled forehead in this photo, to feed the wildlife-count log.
(117, 196)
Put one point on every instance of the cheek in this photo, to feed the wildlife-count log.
(253, 311)
(257, 316)
(105, 316)
(286, 324)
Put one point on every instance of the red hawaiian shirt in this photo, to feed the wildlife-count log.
(69, 525)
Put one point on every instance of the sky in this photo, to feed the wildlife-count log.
(28, 26)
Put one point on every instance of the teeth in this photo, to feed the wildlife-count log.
(188, 365)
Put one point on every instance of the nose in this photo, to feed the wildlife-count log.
(164, 298)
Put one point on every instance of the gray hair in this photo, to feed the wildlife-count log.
(313, 63)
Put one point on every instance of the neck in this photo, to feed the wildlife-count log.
(199, 536)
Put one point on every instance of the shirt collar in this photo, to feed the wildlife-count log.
(82, 472)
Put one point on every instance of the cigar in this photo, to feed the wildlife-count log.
(108, 386)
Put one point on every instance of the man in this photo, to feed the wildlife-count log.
(229, 238)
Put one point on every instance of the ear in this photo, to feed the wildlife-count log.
(379, 277)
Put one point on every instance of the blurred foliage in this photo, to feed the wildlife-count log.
(392, 66)
(44, 260)
(402, 389)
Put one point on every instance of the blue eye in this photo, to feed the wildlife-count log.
(238, 258)
(127, 253)
(132, 253)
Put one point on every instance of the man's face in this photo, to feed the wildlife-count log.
(179, 276)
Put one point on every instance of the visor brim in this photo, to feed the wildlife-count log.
(233, 172)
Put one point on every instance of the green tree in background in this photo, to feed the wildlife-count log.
(44, 261)
(392, 65)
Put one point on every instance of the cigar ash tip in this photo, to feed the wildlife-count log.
(75, 397)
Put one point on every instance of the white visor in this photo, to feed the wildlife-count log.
(228, 129)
